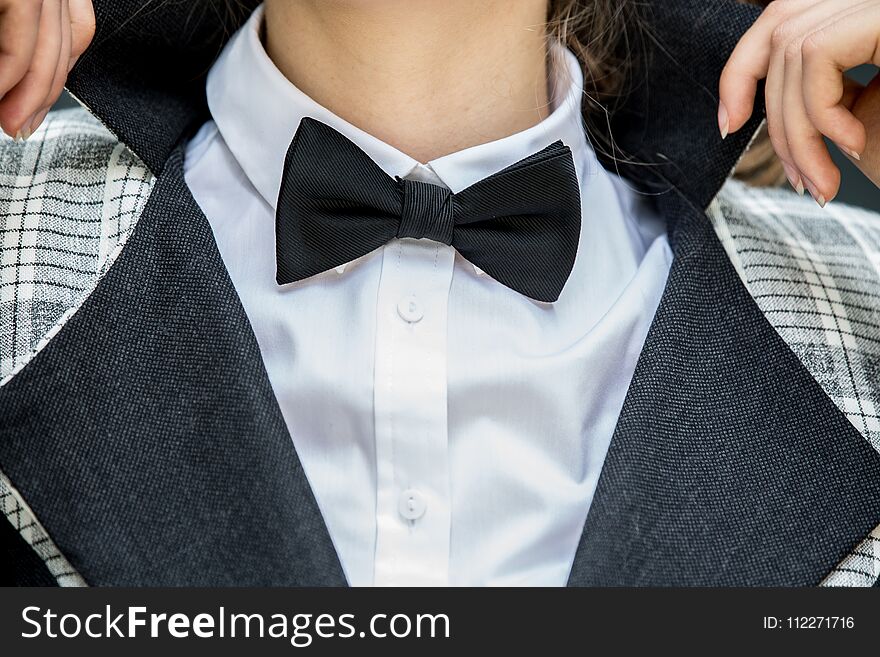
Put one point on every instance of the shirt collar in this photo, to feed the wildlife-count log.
(147, 85)
(258, 110)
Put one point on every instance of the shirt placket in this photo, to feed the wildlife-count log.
(410, 382)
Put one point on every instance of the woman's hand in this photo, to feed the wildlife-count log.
(40, 41)
(803, 48)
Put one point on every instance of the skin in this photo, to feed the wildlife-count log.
(405, 72)
(40, 41)
(432, 77)
(802, 49)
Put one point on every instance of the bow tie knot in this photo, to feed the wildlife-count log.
(427, 212)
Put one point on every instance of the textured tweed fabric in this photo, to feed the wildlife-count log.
(69, 199)
(816, 275)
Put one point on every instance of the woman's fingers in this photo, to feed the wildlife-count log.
(797, 142)
(61, 69)
(803, 48)
(40, 41)
(26, 99)
(773, 90)
(749, 63)
(19, 25)
(806, 147)
(837, 46)
(77, 29)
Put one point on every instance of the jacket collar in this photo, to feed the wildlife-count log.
(667, 127)
(144, 78)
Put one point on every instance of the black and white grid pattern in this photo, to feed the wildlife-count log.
(815, 274)
(69, 198)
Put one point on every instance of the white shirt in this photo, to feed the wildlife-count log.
(451, 429)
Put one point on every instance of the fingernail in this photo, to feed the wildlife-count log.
(849, 152)
(37, 121)
(723, 120)
(25, 130)
(794, 178)
(814, 192)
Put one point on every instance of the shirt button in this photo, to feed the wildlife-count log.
(410, 310)
(411, 504)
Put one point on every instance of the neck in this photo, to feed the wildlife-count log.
(429, 77)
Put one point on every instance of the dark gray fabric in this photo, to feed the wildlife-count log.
(20, 565)
(666, 130)
(144, 73)
(146, 437)
(729, 464)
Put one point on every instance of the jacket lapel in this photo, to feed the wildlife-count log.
(146, 436)
(729, 464)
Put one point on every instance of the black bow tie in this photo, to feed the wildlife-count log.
(520, 225)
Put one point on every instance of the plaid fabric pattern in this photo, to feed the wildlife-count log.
(815, 274)
(69, 199)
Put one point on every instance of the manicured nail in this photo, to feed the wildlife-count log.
(814, 192)
(794, 178)
(25, 130)
(849, 152)
(723, 120)
(37, 121)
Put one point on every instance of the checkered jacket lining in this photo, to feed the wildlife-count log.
(71, 196)
(69, 199)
